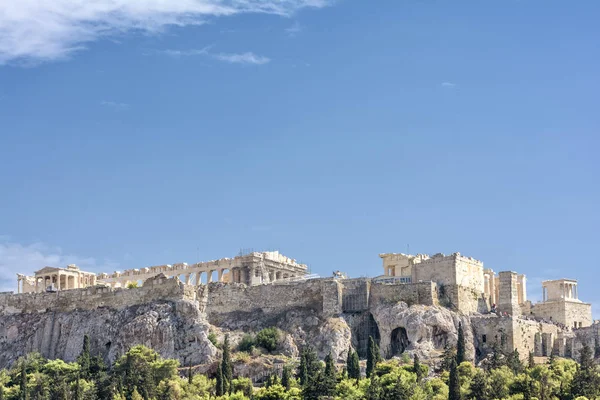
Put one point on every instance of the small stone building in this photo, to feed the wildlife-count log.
(560, 304)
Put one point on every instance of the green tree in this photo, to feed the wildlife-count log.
(460, 345)
(514, 362)
(448, 356)
(78, 394)
(219, 388)
(303, 368)
(417, 368)
(498, 358)
(531, 360)
(353, 365)
(478, 388)
(135, 395)
(329, 377)
(23, 386)
(142, 369)
(286, 377)
(309, 365)
(268, 338)
(85, 358)
(226, 366)
(586, 381)
(453, 383)
(374, 390)
(373, 356)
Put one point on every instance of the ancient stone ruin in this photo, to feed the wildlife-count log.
(415, 306)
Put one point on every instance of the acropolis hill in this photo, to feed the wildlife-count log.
(415, 306)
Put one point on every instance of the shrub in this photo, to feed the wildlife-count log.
(243, 385)
(242, 356)
(212, 337)
(247, 343)
(268, 338)
(132, 285)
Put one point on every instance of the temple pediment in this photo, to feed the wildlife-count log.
(47, 270)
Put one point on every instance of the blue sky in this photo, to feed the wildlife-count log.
(162, 132)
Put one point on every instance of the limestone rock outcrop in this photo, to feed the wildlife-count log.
(420, 329)
(174, 329)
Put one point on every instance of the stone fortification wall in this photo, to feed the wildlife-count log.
(439, 268)
(91, 298)
(224, 303)
(569, 313)
(469, 273)
(463, 299)
(454, 269)
(417, 293)
(518, 333)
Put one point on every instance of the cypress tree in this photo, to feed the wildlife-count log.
(586, 381)
(349, 363)
(531, 360)
(85, 358)
(372, 356)
(329, 378)
(448, 356)
(497, 353)
(453, 383)
(286, 377)
(353, 365)
(190, 376)
(303, 368)
(23, 385)
(219, 384)
(78, 388)
(417, 368)
(528, 390)
(514, 362)
(227, 368)
(460, 345)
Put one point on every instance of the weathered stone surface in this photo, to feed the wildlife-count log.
(174, 329)
(424, 329)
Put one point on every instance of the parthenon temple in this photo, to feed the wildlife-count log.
(252, 269)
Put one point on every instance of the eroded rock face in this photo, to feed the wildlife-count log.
(174, 329)
(420, 329)
(179, 328)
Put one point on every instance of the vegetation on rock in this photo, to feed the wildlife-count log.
(141, 374)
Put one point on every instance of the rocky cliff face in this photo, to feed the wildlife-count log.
(420, 329)
(175, 329)
(175, 320)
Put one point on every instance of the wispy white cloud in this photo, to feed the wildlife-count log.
(294, 30)
(19, 258)
(234, 58)
(449, 85)
(184, 53)
(242, 58)
(41, 30)
(115, 105)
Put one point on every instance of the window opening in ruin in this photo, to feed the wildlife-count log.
(484, 338)
(399, 341)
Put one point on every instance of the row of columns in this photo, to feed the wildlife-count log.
(246, 274)
(568, 291)
(60, 281)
